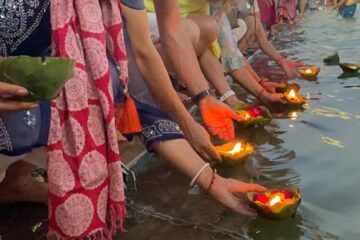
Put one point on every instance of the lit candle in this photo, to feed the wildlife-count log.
(275, 200)
(309, 72)
(349, 67)
(233, 153)
(293, 97)
(275, 204)
(236, 149)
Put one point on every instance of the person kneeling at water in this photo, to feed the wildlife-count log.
(347, 8)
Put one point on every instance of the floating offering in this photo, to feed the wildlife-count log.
(44, 79)
(253, 115)
(234, 153)
(332, 59)
(309, 72)
(293, 97)
(349, 67)
(275, 204)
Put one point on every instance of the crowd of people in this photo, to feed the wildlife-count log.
(125, 52)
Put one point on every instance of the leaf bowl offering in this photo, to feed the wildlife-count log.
(332, 59)
(293, 97)
(234, 153)
(44, 79)
(349, 67)
(309, 72)
(275, 204)
(253, 116)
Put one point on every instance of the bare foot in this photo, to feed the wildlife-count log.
(20, 186)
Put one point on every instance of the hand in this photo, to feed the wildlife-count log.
(199, 140)
(231, 193)
(218, 117)
(271, 86)
(269, 98)
(9, 90)
(289, 67)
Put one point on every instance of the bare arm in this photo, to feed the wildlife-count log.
(264, 43)
(177, 46)
(156, 76)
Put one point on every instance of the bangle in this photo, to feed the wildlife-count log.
(261, 92)
(197, 175)
(208, 190)
(261, 81)
(226, 95)
(201, 95)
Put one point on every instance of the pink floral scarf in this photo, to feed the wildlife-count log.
(86, 196)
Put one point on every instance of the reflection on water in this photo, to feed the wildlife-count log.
(315, 149)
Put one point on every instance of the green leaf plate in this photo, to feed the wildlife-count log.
(44, 79)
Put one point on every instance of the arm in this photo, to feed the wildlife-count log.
(177, 46)
(151, 66)
(268, 48)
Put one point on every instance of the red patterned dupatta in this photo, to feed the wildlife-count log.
(86, 197)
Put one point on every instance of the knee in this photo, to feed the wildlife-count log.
(209, 30)
(192, 30)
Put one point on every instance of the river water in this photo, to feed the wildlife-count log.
(317, 152)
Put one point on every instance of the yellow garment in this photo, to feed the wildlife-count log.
(186, 6)
(191, 6)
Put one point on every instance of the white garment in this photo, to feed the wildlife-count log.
(240, 31)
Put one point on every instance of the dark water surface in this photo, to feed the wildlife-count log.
(318, 152)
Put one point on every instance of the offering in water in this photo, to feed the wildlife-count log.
(253, 115)
(275, 204)
(349, 67)
(235, 152)
(293, 97)
(309, 72)
(332, 59)
(44, 79)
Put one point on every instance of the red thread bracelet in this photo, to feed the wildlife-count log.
(208, 190)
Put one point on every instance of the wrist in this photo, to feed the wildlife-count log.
(202, 95)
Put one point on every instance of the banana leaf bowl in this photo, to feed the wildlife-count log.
(349, 67)
(234, 153)
(275, 204)
(253, 116)
(43, 78)
(332, 59)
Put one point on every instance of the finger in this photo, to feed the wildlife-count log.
(16, 106)
(12, 90)
(233, 115)
(204, 156)
(210, 151)
(252, 187)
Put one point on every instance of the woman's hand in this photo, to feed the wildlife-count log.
(9, 91)
(271, 86)
(270, 98)
(289, 67)
(231, 193)
(199, 140)
(218, 117)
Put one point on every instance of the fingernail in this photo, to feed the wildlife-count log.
(22, 91)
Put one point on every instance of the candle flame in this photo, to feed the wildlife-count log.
(275, 200)
(308, 70)
(236, 149)
(292, 93)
